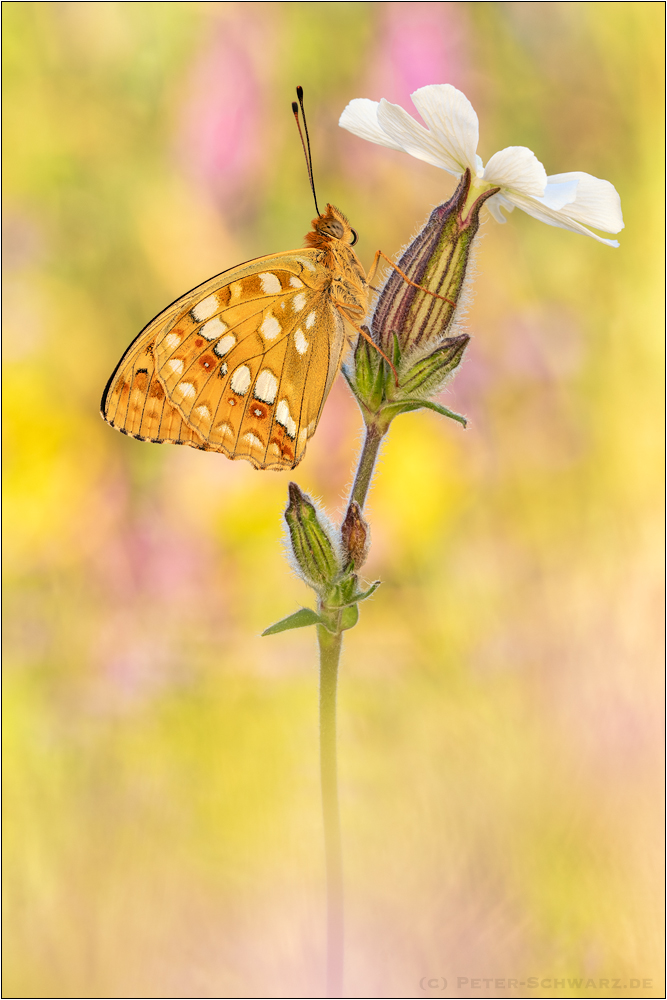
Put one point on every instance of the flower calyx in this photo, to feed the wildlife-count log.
(414, 328)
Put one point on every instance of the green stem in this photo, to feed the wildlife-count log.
(330, 644)
(330, 647)
(367, 460)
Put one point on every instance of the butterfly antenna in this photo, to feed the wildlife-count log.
(306, 152)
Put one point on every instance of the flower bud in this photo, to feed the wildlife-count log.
(355, 534)
(426, 376)
(315, 555)
(436, 259)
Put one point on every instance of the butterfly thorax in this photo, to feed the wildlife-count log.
(333, 236)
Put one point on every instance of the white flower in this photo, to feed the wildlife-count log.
(450, 142)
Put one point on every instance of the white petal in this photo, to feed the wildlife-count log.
(534, 207)
(558, 194)
(360, 117)
(517, 169)
(404, 130)
(597, 202)
(495, 203)
(451, 118)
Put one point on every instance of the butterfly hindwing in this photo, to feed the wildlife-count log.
(250, 364)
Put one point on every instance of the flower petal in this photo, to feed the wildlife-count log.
(360, 117)
(517, 169)
(597, 202)
(552, 217)
(494, 205)
(560, 193)
(451, 118)
(401, 128)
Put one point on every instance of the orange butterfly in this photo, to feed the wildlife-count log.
(243, 363)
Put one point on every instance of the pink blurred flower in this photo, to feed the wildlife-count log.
(422, 42)
(219, 136)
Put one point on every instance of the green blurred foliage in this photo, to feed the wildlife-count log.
(499, 699)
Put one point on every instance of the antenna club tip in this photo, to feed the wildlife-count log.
(299, 92)
(295, 108)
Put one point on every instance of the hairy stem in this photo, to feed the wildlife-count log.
(330, 647)
(367, 460)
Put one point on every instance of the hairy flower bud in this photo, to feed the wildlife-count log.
(315, 555)
(428, 373)
(355, 534)
(436, 259)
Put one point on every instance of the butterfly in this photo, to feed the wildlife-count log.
(244, 362)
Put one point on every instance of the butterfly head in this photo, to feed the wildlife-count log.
(330, 227)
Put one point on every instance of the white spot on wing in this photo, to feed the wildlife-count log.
(207, 307)
(223, 429)
(186, 389)
(284, 417)
(175, 366)
(203, 413)
(253, 440)
(241, 380)
(270, 327)
(224, 345)
(213, 328)
(308, 264)
(298, 302)
(310, 319)
(266, 386)
(300, 342)
(172, 340)
(235, 290)
(295, 283)
(270, 283)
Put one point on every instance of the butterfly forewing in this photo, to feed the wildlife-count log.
(135, 401)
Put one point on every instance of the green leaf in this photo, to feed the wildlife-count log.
(349, 617)
(300, 619)
(444, 411)
(408, 405)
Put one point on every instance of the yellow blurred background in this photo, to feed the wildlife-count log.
(500, 699)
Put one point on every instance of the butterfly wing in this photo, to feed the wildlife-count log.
(242, 364)
(134, 400)
(249, 366)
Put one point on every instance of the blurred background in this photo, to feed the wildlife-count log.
(500, 705)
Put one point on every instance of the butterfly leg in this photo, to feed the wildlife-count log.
(373, 271)
(360, 329)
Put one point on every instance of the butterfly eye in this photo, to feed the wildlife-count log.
(356, 237)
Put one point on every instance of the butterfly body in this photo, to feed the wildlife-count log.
(243, 363)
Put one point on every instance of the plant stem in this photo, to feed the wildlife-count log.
(367, 460)
(330, 647)
(330, 644)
